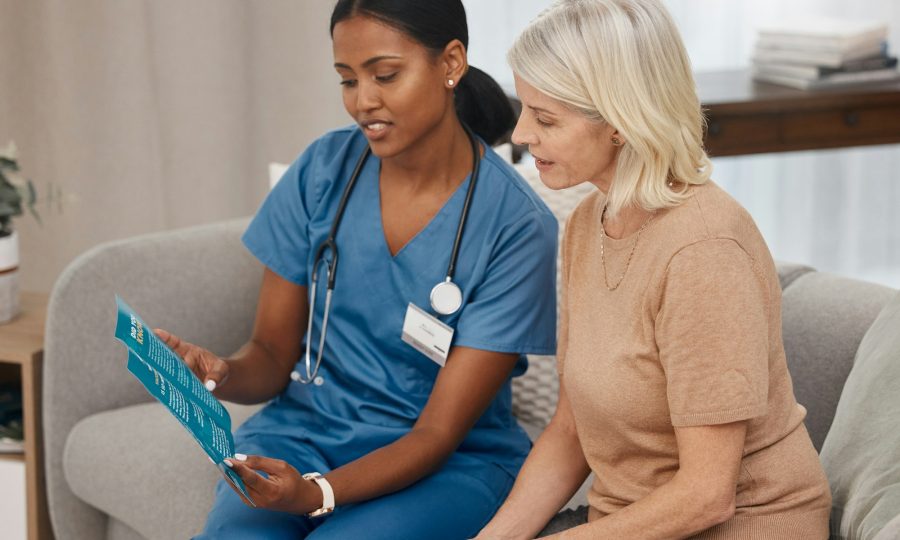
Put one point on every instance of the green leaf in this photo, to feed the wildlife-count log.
(6, 163)
(32, 199)
(9, 210)
(10, 204)
(9, 194)
(13, 196)
(32, 193)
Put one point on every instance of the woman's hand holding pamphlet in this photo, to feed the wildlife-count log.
(169, 380)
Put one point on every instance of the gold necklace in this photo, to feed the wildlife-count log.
(627, 262)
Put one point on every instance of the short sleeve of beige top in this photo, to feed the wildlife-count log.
(691, 337)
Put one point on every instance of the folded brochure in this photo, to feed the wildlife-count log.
(169, 380)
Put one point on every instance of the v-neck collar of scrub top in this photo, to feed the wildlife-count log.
(450, 211)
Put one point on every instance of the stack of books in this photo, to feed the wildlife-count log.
(824, 53)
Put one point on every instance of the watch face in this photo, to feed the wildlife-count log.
(320, 512)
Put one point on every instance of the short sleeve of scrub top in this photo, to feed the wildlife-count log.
(376, 384)
(276, 235)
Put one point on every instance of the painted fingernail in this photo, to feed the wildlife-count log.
(210, 385)
(229, 463)
(240, 457)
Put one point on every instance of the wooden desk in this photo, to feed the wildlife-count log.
(21, 355)
(747, 117)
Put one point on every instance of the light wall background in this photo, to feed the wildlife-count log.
(836, 210)
(157, 114)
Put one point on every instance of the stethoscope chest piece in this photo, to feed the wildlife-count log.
(446, 298)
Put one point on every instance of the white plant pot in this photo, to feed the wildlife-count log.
(9, 277)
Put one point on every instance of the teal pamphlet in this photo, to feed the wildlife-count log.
(169, 380)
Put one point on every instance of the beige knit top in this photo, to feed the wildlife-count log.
(692, 336)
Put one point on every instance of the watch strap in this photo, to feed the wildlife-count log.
(327, 494)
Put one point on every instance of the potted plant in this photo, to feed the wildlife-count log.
(15, 194)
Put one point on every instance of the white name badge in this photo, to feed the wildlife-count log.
(426, 334)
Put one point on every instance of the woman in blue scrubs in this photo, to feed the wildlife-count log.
(407, 448)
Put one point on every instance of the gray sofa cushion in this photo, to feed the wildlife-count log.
(861, 454)
(891, 531)
(789, 272)
(116, 530)
(136, 458)
(565, 520)
(824, 318)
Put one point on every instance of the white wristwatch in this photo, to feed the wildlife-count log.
(327, 494)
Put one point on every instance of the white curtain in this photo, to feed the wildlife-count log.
(835, 210)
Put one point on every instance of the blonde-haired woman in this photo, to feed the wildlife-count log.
(674, 388)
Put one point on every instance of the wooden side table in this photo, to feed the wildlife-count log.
(21, 356)
(750, 117)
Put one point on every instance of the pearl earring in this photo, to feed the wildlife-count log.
(450, 82)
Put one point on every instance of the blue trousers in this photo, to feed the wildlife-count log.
(453, 503)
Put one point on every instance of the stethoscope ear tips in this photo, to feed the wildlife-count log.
(318, 380)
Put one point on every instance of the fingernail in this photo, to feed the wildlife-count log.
(228, 463)
(240, 457)
(210, 385)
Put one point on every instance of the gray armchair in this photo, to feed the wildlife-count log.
(105, 466)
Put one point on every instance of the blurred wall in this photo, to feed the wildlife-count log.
(133, 116)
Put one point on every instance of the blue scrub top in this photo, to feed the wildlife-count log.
(376, 385)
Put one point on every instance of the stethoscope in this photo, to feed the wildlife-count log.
(446, 296)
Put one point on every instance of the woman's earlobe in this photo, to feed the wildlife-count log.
(455, 62)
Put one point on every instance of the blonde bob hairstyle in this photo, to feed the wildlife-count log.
(623, 62)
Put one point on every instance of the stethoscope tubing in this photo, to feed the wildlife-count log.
(330, 243)
(464, 215)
